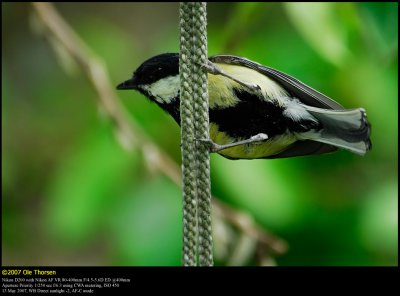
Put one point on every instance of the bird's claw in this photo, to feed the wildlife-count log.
(211, 68)
(211, 146)
(214, 147)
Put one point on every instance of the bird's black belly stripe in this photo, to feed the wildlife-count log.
(249, 117)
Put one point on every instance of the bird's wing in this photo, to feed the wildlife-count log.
(294, 87)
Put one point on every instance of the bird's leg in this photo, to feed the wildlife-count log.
(214, 147)
(215, 70)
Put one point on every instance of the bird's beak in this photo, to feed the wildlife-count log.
(129, 84)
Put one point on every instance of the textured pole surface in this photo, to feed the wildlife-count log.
(195, 125)
(187, 138)
(200, 93)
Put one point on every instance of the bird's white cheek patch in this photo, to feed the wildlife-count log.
(164, 90)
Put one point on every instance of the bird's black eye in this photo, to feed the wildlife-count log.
(157, 71)
(156, 74)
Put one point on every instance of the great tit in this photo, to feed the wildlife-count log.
(271, 113)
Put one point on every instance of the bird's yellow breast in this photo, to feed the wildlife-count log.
(254, 150)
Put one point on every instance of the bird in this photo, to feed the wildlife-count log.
(257, 112)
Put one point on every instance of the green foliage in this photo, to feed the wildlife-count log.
(86, 186)
(322, 28)
(146, 226)
(69, 186)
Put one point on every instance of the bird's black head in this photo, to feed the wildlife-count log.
(153, 70)
(158, 79)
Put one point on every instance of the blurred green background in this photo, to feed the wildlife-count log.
(72, 196)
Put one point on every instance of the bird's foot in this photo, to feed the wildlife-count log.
(214, 147)
(215, 70)
(211, 146)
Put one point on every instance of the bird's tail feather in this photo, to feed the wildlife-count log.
(348, 129)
